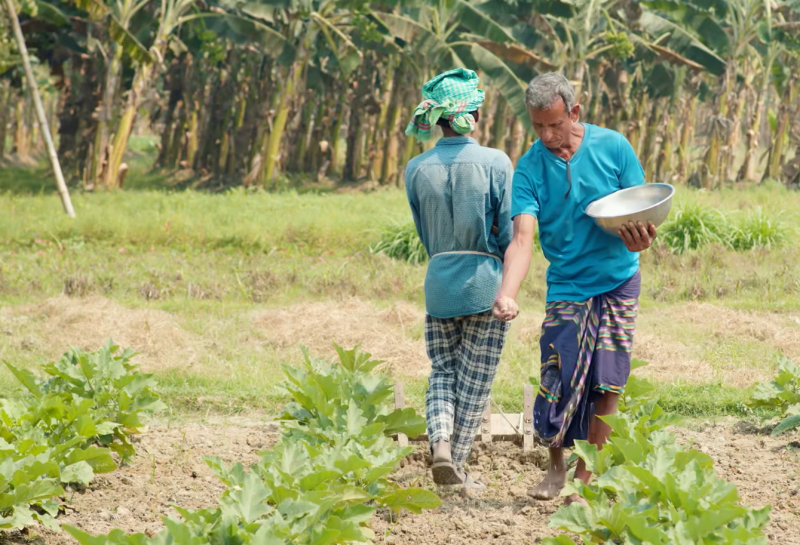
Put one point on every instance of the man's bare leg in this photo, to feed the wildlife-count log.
(556, 476)
(555, 479)
(598, 435)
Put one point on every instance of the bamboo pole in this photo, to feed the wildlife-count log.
(51, 149)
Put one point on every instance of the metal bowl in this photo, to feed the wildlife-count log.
(647, 202)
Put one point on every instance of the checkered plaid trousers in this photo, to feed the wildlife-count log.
(464, 353)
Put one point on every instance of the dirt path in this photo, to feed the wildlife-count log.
(169, 469)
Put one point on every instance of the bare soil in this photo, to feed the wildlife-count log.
(169, 469)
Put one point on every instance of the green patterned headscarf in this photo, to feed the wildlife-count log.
(452, 95)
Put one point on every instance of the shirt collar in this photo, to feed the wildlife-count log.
(455, 141)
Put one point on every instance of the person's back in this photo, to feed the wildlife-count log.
(460, 197)
(460, 193)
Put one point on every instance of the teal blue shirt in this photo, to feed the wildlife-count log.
(585, 261)
(457, 191)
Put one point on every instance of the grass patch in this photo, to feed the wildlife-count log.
(401, 242)
(695, 226)
(757, 230)
(211, 260)
(692, 227)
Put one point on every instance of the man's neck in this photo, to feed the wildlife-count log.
(568, 149)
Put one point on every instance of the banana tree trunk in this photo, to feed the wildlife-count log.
(381, 134)
(776, 151)
(408, 154)
(356, 127)
(649, 156)
(299, 161)
(391, 140)
(5, 93)
(748, 170)
(666, 155)
(499, 126)
(733, 141)
(687, 133)
(517, 136)
(483, 133)
(120, 143)
(637, 124)
(281, 115)
(712, 173)
(32, 132)
(19, 144)
(336, 141)
(105, 114)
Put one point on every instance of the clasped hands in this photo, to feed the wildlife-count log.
(505, 308)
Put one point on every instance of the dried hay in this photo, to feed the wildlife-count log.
(381, 332)
(672, 360)
(661, 341)
(88, 322)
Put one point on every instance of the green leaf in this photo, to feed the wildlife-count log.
(572, 518)
(355, 419)
(788, 423)
(636, 363)
(412, 499)
(27, 379)
(681, 46)
(80, 472)
(481, 24)
(358, 514)
(251, 500)
(425, 42)
(98, 458)
(509, 85)
(560, 540)
(116, 537)
(405, 421)
(314, 480)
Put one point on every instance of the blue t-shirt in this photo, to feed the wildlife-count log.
(585, 261)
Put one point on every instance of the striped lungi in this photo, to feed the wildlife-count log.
(586, 351)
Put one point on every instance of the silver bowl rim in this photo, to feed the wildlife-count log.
(659, 203)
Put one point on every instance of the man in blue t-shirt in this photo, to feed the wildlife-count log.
(593, 279)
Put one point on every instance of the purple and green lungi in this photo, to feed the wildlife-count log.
(586, 351)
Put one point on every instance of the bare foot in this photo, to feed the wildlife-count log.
(574, 498)
(551, 486)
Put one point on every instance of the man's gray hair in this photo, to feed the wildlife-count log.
(545, 89)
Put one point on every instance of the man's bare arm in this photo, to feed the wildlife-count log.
(515, 267)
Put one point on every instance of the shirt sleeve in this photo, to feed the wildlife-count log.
(523, 197)
(631, 172)
(504, 174)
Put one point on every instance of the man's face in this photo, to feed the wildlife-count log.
(554, 125)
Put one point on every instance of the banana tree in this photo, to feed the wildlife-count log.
(117, 18)
(293, 28)
(448, 34)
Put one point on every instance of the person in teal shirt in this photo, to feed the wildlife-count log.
(459, 193)
(593, 279)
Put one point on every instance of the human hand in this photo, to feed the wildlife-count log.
(637, 237)
(505, 308)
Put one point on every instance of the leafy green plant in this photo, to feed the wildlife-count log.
(783, 394)
(692, 227)
(400, 241)
(60, 433)
(99, 396)
(647, 489)
(322, 482)
(757, 230)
